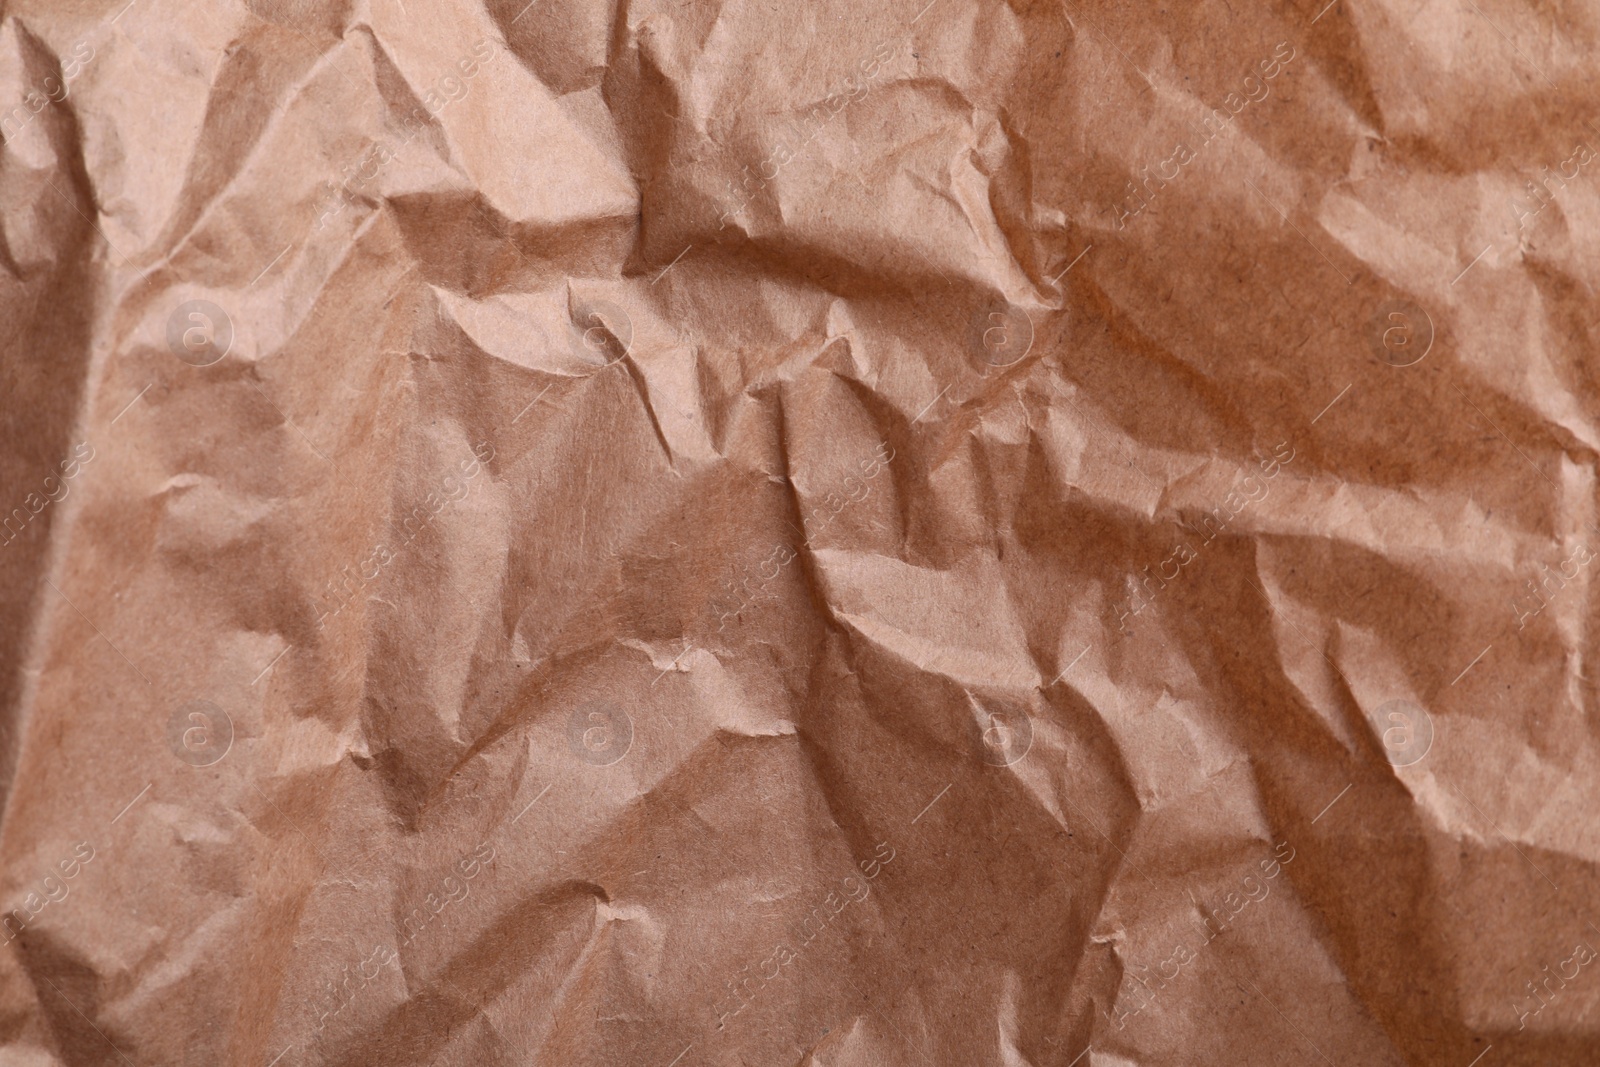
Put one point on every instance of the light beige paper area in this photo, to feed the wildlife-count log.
(832, 535)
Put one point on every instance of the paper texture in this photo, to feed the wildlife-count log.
(834, 535)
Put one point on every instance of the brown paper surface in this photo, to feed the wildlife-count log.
(833, 535)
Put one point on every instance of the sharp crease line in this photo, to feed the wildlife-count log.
(1347, 279)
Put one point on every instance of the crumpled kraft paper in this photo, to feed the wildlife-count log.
(726, 533)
